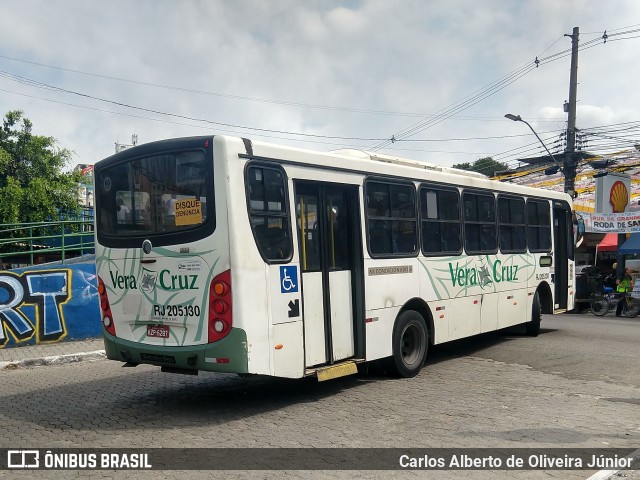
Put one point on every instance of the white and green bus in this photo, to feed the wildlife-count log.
(230, 255)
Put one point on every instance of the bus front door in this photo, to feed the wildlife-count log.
(329, 250)
(562, 252)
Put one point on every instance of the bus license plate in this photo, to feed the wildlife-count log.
(158, 331)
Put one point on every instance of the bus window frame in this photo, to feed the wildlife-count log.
(524, 224)
(390, 181)
(480, 192)
(571, 246)
(288, 215)
(550, 225)
(440, 187)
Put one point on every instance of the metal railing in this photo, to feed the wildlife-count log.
(26, 242)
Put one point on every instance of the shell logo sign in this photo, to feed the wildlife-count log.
(618, 197)
(612, 192)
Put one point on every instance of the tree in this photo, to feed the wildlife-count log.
(33, 185)
(487, 166)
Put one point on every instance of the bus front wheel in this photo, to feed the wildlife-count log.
(532, 328)
(410, 343)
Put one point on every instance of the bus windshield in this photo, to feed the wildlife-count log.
(156, 194)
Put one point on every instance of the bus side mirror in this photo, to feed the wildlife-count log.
(578, 222)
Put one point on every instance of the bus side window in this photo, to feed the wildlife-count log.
(380, 237)
(538, 226)
(269, 212)
(451, 238)
(404, 237)
(472, 238)
(392, 218)
(479, 223)
(511, 224)
(273, 240)
(431, 237)
(441, 230)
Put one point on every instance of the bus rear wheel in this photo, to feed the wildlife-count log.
(410, 344)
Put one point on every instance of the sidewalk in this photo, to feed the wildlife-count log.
(51, 353)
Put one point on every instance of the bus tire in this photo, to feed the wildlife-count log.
(532, 328)
(410, 344)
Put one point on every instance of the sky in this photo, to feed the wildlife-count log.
(436, 76)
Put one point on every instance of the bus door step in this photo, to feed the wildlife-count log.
(559, 310)
(336, 370)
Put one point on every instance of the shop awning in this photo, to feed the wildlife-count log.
(632, 245)
(609, 243)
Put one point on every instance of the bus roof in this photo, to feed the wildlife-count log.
(408, 162)
(368, 163)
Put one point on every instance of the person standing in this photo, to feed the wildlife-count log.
(624, 284)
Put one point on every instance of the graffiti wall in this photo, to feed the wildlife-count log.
(44, 304)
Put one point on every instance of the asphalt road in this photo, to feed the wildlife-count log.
(577, 385)
(577, 347)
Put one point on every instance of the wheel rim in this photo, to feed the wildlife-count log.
(412, 345)
(600, 307)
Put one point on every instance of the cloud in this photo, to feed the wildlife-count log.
(355, 69)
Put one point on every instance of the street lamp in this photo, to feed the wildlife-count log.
(518, 118)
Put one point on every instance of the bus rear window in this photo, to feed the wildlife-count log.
(163, 193)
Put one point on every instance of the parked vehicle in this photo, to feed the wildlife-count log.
(590, 279)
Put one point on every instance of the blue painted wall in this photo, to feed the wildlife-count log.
(48, 303)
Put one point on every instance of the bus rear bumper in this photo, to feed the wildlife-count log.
(226, 355)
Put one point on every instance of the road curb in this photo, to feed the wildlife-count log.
(53, 360)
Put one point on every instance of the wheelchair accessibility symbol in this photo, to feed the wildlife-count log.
(288, 279)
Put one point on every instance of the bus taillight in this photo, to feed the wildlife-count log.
(105, 307)
(220, 318)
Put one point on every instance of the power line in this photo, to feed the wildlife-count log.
(37, 84)
(232, 96)
(457, 107)
(466, 138)
(473, 98)
(517, 152)
(470, 101)
(464, 103)
(46, 86)
(192, 125)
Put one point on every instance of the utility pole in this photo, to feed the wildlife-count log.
(570, 160)
(570, 155)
